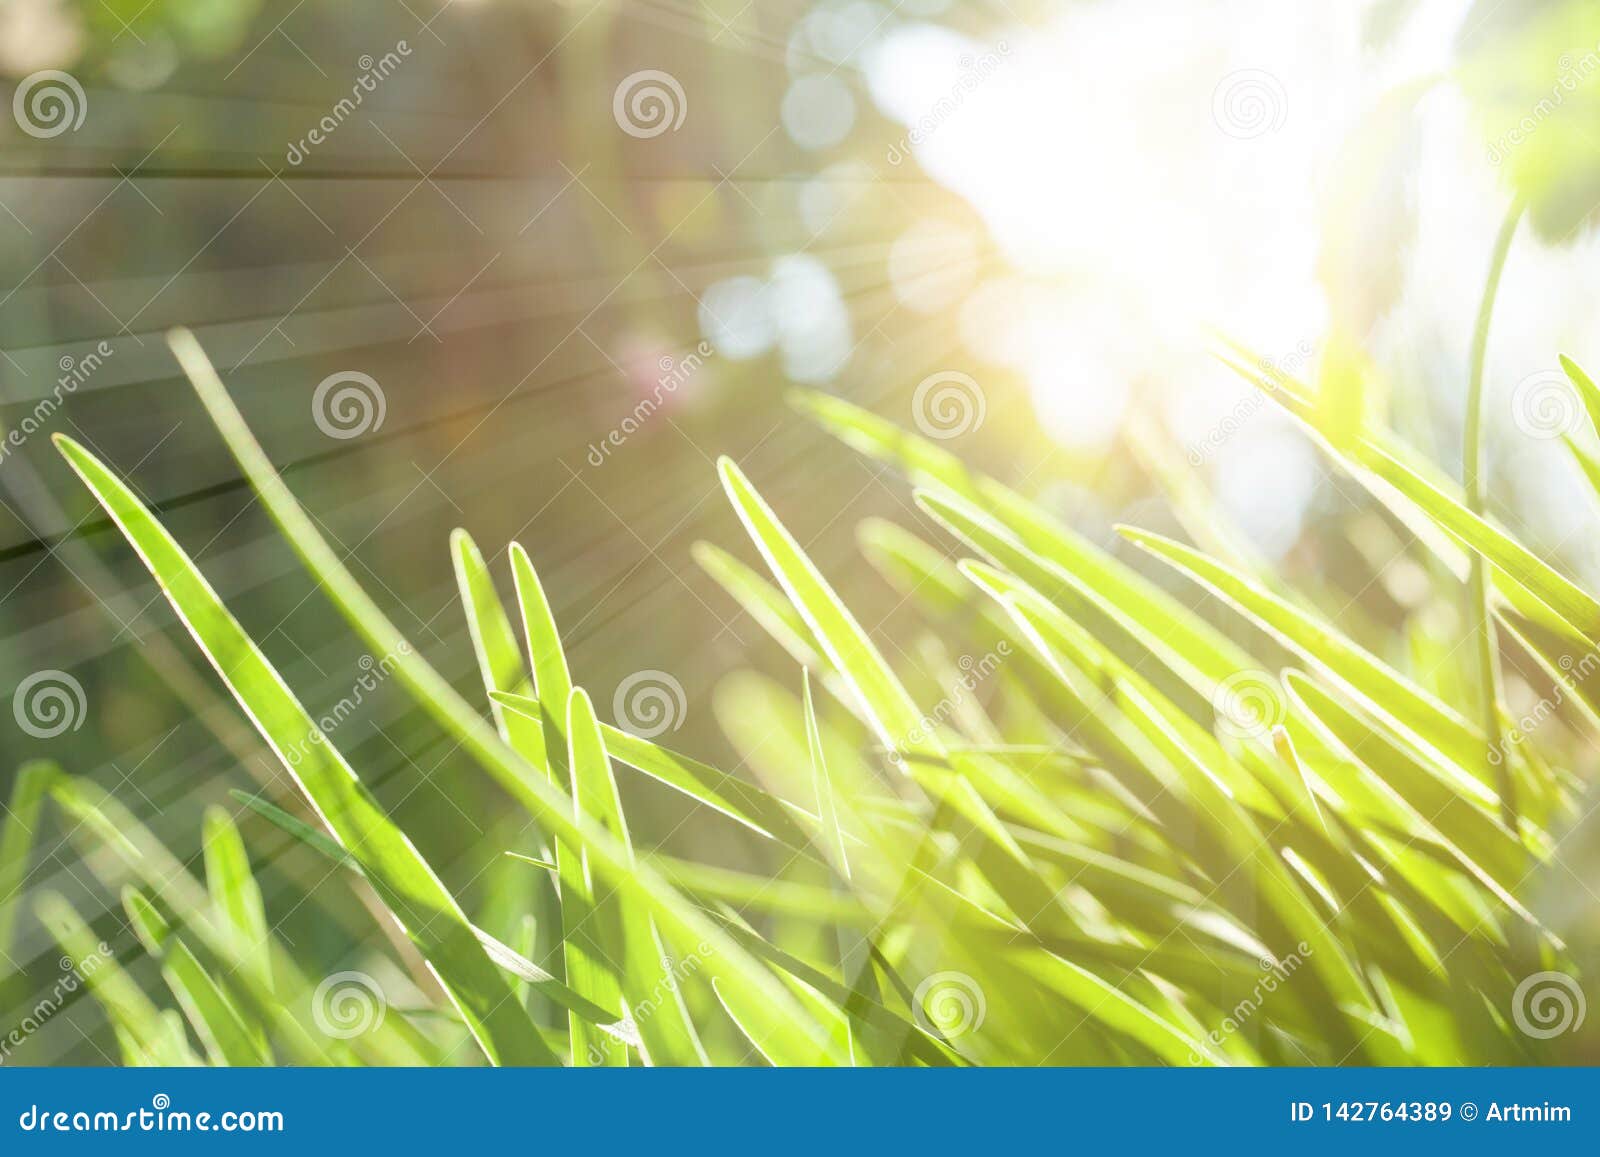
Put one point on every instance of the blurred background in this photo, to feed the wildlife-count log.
(528, 268)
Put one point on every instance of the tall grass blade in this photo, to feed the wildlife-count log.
(234, 891)
(224, 1035)
(744, 980)
(147, 1036)
(620, 925)
(421, 904)
(18, 835)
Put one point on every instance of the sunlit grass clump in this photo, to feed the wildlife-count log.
(1127, 833)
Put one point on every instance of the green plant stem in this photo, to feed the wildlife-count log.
(1472, 479)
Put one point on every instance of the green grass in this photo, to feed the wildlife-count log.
(1085, 853)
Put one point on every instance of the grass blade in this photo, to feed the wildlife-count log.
(234, 891)
(17, 838)
(516, 963)
(622, 928)
(895, 718)
(493, 642)
(744, 980)
(146, 1035)
(408, 886)
(593, 935)
(718, 790)
(216, 1022)
(1396, 699)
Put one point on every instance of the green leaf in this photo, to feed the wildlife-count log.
(17, 837)
(893, 715)
(593, 935)
(234, 890)
(832, 834)
(1525, 70)
(623, 935)
(1395, 699)
(1467, 827)
(323, 845)
(216, 1022)
(1116, 1010)
(1115, 616)
(1588, 392)
(1387, 473)
(762, 601)
(1513, 561)
(917, 1042)
(745, 981)
(899, 725)
(552, 682)
(408, 886)
(494, 643)
(701, 782)
(1134, 597)
(516, 963)
(146, 1035)
(761, 893)
(534, 861)
(1182, 746)
(96, 814)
